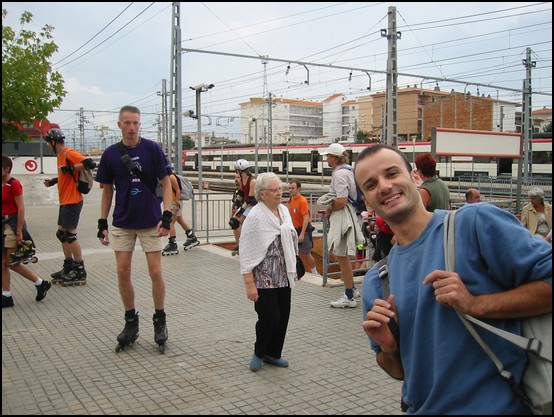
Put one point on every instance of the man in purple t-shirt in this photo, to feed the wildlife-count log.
(131, 169)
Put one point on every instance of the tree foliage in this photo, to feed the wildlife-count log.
(31, 89)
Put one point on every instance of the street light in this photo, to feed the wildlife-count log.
(253, 119)
(200, 88)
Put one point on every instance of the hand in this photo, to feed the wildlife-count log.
(376, 323)
(103, 231)
(450, 291)
(166, 219)
(66, 169)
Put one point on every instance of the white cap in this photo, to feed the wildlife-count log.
(334, 149)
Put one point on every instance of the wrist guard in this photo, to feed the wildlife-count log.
(67, 169)
(166, 219)
(234, 223)
(240, 212)
(102, 225)
(52, 182)
(88, 163)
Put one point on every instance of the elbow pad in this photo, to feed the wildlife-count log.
(88, 163)
(251, 201)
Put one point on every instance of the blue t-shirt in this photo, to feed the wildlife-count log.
(446, 371)
(136, 207)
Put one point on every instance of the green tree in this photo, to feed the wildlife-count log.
(30, 88)
(188, 143)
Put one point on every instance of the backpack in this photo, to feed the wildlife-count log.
(185, 186)
(84, 180)
(536, 385)
(359, 203)
(187, 191)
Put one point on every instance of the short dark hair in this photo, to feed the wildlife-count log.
(130, 109)
(7, 162)
(372, 150)
(298, 185)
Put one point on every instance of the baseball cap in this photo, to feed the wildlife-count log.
(334, 149)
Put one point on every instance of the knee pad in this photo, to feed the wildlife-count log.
(70, 237)
(234, 223)
(61, 235)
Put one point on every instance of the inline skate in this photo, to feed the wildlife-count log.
(191, 241)
(129, 334)
(24, 254)
(57, 277)
(171, 248)
(160, 331)
(76, 276)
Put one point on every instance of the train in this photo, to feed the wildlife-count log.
(306, 159)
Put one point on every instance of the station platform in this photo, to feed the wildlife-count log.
(58, 355)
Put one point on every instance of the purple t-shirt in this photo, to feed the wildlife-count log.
(136, 207)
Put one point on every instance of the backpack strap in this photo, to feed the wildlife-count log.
(126, 159)
(383, 272)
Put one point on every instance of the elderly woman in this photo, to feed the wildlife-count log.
(537, 215)
(268, 249)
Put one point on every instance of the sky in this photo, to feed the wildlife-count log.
(114, 54)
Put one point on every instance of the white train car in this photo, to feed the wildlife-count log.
(306, 159)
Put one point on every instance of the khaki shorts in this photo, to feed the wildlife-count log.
(124, 240)
(176, 208)
(10, 241)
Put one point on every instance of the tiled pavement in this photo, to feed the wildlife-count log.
(58, 355)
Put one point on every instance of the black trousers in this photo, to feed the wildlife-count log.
(273, 308)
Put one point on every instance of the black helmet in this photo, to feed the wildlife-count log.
(55, 135)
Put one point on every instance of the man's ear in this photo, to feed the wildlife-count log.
(416, 178)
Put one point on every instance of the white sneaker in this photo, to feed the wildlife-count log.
(344, 302)
(357, 293)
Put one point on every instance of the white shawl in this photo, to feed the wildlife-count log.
(259, 230)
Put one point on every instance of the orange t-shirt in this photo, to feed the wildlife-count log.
(67, 189)
(298, 208)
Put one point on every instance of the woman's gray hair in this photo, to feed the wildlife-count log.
(262, 182)
(537, 193)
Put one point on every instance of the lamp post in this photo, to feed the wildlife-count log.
(200, 88)
(255, 145)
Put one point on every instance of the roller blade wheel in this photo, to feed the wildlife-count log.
(75, 283)
(25, 261)
(123, 346)
(169, 253)
(192, 245)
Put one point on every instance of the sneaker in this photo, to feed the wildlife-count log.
(255, 363)
(344, 302)
(7, 301)
(42, 289)
(357, 293)
(282, 363)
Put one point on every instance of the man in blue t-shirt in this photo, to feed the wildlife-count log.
(444, 369)
(131, 169)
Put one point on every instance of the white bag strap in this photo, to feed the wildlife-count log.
(449, 261)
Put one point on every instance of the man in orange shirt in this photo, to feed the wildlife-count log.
(300, 212)
(71, 203)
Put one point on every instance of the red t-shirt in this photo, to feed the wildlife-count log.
(9, 192)
(383, 226)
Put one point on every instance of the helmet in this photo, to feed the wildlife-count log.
(241, 165)
(55, 135)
